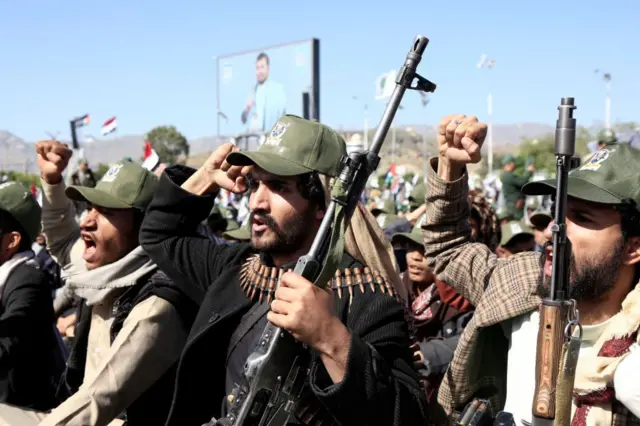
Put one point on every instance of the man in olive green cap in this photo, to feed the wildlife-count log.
(515, 237)
(28, 342)
(246, 285)
(495, 358)
(512, 187)
(121, 359)
(416, 210)
(603, 138)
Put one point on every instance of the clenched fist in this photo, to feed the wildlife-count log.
(460, 139)
(53, 158)
(217, 173)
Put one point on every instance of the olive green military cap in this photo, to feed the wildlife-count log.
(296, 146)
(540, 218)
(511, 230)
(610, 176)
(242, 233)
(414, 237)
(607, 136)
(16, 200)
(125, 185)
(388, 208)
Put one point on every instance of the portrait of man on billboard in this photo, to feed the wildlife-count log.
(267, 101)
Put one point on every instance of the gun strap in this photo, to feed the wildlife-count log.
(250, 319)
(566, 379)
(335, 251)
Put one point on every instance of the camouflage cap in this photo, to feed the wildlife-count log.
(125, 185)
(16, 200)
(511, 230)
(611, 176)
(296, 146)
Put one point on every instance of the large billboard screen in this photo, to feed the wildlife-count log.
(255, 88)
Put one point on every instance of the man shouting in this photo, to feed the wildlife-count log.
(361, 371)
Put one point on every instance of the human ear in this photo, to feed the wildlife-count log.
(632, 251)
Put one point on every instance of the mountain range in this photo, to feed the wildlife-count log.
(18, 155)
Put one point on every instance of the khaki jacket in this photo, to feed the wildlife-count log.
(150, 342)
(500, 289)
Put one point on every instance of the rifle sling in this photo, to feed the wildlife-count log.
(250, 319)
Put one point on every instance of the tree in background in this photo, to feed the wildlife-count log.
(542, 149)
(169, 143)
(24, 178)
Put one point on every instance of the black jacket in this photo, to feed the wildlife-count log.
(152, 406)
(30, 363)
(380, 386)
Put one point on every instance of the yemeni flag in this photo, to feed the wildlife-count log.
(151, 158)
(109, 126)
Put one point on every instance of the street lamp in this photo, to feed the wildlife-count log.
(366, 122)
(221, 114)
(488, 63)
(606, 77)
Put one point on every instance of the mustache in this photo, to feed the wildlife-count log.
(265, 218)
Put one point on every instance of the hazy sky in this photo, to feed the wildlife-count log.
(152, 62)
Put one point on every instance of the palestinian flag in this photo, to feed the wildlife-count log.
(85, 120)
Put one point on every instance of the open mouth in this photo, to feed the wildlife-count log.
(258, 225)
(89, 245)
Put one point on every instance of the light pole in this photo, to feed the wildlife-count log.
(365, 133)
(489, 63)
(226, 120)
(606, 77)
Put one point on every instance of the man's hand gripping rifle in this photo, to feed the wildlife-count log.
(558, 348)
(275, 372)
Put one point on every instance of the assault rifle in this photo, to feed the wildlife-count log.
(277, 369)
(558, 348)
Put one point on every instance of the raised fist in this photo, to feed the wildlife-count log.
(460, 139)
(53, 158)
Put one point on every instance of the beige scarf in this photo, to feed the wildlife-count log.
(366, 242)
(593, 389)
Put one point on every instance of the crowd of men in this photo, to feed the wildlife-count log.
(138, 299)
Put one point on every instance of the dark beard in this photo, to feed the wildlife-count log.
(594, 279)
(288, 238)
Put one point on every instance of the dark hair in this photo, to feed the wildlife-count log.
(630, 225)
(311, 189)
(9, 224)
(263, 56)
(485, 215)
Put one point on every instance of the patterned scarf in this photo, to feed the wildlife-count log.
(594, 394)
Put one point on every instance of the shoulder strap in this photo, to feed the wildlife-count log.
(252, 316)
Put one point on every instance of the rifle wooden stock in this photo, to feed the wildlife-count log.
(554, 316)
